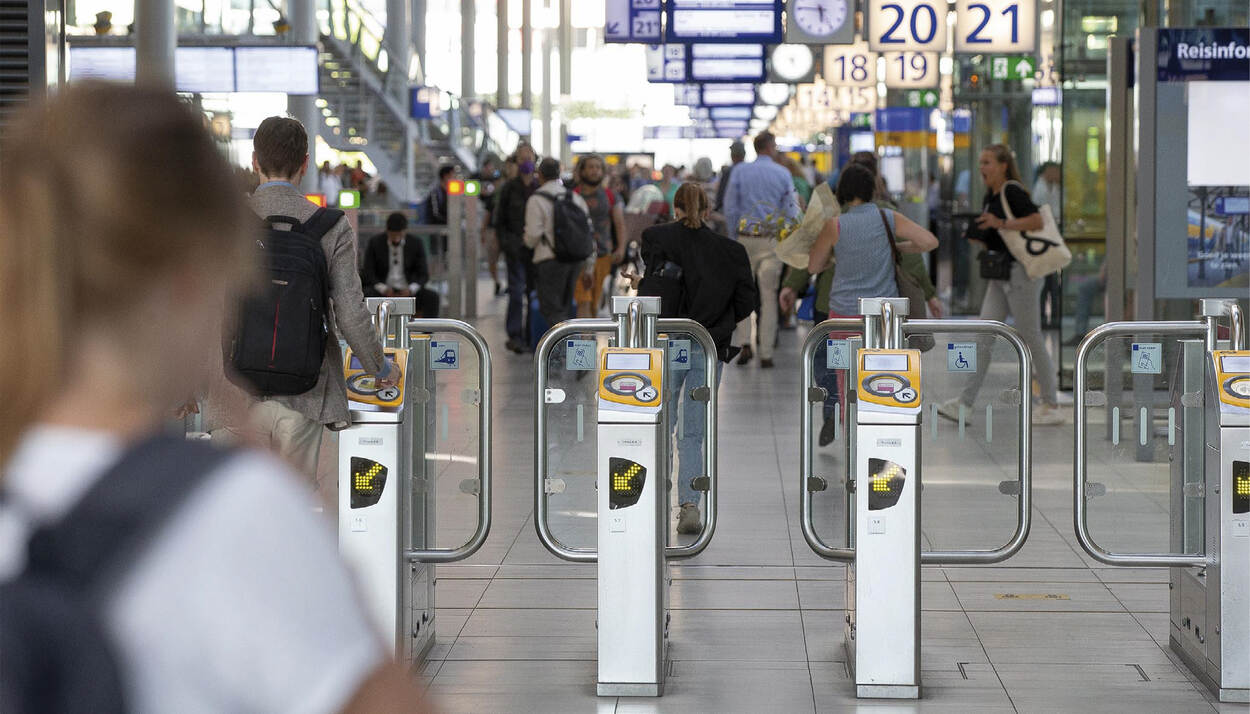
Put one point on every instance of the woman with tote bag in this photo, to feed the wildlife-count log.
(1010, 291)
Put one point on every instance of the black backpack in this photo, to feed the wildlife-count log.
(279, 340)
(570, 226)
(55, 655)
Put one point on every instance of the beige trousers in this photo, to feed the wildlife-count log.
(289, 434)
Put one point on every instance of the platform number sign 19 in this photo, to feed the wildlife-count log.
(898, 25)
(995, 25)
(911, 70)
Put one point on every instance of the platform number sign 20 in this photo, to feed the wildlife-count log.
(995, 25)
(898, 25)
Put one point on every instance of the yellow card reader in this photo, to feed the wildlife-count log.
(1232, 379)
(363, 391)
(631, 378)
(889, 380)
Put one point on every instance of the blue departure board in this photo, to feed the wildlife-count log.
(702, 62)
(714, 95)
(724, 21)
(632, 21)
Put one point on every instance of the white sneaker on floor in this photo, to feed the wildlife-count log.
(950, 410)
(1049, 415)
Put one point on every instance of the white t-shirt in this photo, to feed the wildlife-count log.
(240, 605)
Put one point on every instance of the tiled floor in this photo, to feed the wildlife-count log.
(756, 619)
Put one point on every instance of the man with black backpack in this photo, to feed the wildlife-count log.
(284, 351)
(559, 231)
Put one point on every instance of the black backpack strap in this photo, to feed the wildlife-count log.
(321, 222)
(123, 510)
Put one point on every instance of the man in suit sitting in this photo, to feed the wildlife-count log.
(395, 266)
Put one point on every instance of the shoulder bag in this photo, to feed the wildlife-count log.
(1041, 252)
(908, 288)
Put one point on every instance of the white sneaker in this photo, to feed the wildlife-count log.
(1049, 415)
(951, 407)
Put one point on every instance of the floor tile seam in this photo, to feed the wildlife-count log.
(1071, 546)
(984, 651)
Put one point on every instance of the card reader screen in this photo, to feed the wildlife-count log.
(629, 360)
(1241, 487)
(885, 363)
(1236, 363)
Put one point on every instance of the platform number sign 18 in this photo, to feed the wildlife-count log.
(850, 65)
(995, 25)
(898, 25)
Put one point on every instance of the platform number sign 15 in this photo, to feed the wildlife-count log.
(995, 25)
(899, 25)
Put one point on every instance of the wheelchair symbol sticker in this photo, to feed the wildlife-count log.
(444, 354)
(579, 355)
(837, 354)
(961, 356)
(679, 354)
(1147, 358)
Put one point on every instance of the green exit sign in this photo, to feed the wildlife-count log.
(926, 98)
(1012, 67)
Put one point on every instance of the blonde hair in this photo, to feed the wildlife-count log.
(107, 190)
(692, 201)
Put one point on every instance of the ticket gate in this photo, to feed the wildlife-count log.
(884, 484)
(1208, 427)
(632, 482)
(389, 471)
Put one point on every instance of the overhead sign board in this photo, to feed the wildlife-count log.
(850, 65)
(898, 25)
(714, 95)
(743, 113)
(705, 63)
(911, 70)
(632, 21)
(1012, 67)
(1219, 54)
(995, 25)
(689, 132)
(210, 69)
(724, 21)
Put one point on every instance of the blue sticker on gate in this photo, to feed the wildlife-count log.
(679, 354)
(579, 355)
(1147, 358)
(961, 356)
(444, 354)
(837, 354)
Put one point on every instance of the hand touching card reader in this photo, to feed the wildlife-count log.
(632, 504)
(883, 581)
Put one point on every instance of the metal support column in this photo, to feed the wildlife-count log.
(418, 34)
(565, 48)
(155, 41)
(302, 15)
(468, 48)
(502, 36)
(527, 55)
(545, 112)
(398, 31)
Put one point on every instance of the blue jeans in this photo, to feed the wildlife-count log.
(693, 422)
(517, 260)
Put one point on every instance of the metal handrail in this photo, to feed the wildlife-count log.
(545, 345)
(699, 333)
(1024, 449)
(485, 441)
(818, 333)
(1237, 326)
(1080, 513)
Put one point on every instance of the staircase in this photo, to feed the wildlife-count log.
(364, 97)
(21, 55)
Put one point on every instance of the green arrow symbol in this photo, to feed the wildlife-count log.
(1024, 68)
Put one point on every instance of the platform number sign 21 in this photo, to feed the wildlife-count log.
(995, 25)
(912, 25)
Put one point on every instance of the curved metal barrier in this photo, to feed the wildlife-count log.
(485, 441)
(1080, 500)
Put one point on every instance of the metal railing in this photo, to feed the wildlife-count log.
(625, 331)
(1080, 466)
(885, 335)
(485, 441)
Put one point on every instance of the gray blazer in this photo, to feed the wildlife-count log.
(327, 402)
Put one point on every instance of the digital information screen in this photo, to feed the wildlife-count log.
(705, 63)
(722, 113)
(1236, 364)
(205, 70)
(289, 70)
(724, 21)
(632, 21)
(885, 363)
(629, 360)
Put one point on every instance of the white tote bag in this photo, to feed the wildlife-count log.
(1040, 252)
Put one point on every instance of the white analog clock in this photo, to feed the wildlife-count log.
(792, 62)
(774, 94)
(820, 18)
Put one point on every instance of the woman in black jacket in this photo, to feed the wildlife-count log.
(708, 276)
